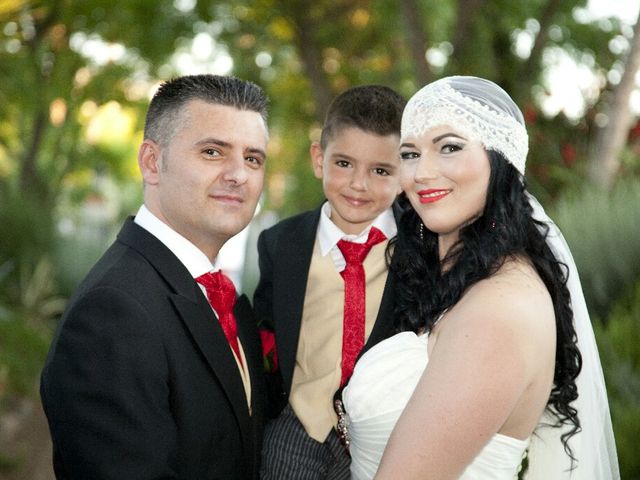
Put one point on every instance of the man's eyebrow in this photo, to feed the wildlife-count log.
(257, 150)
(222, 143)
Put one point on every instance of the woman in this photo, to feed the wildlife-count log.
(495, 360)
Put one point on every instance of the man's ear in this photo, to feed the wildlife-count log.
(317, 158)
(149, 161)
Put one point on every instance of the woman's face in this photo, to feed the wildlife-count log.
(445, 175)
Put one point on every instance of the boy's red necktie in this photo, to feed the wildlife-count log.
(222, 296)
(354, 299)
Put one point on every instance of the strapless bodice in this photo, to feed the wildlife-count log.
(382, 383)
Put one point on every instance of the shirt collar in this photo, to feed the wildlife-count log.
(329, 234)
(191, 256)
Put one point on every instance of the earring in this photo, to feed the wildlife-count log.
(492, 223)
(421, 232)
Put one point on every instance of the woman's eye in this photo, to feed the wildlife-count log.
(408, 155)
(450, 148)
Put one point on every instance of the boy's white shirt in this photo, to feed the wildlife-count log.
(329, 234)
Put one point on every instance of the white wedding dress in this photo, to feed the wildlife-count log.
(382, 383)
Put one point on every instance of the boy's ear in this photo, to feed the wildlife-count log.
(317, 158)
(149, 161)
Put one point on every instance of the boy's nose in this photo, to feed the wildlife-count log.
(358, 180)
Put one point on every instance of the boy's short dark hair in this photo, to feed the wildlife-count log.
(168, 101)
(372, 108)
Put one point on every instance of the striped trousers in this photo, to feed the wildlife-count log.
(289, 453)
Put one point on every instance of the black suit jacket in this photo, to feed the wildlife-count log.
(285, 252)
(140, 382)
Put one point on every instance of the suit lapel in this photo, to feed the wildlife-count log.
(290, 284)
(194, 310)
(212, 342)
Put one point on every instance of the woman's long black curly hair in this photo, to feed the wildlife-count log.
(505, 230)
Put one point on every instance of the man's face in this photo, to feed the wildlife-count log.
(205, 184)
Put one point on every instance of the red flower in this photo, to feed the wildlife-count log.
(269, 353)
(530, 114)
(569, 154)
(634, 133)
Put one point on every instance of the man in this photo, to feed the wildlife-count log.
(142, 380)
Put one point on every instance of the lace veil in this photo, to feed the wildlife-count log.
(483, 111)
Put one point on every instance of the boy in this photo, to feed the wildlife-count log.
(323, 307)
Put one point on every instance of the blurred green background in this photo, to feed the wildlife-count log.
(76, 77)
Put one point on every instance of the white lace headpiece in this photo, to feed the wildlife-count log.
(475, 107)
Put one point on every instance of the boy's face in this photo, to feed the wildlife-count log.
(360, 176)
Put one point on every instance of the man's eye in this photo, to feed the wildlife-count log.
(255, 161)
(381, 171)
(212, 152)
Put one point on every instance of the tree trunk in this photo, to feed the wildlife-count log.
(30, 178)
(610, 141)
(417, 38)
(532, 65)
(312, 61)
(467, 10)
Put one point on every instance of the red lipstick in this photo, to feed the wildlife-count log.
(432, 195)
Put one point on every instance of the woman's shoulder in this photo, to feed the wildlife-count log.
(515, 284)
(513, 298)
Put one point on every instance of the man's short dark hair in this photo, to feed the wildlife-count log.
(168, 101)
(372, 108)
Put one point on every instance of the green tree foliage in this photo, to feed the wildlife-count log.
(602, 231)
(620, 354)
(50, 80)
(316, 50)
(303, 53)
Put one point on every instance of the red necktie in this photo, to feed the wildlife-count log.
(222, 296)
(354, 299)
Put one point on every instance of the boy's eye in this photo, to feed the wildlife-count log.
(343, 163)
(381, 171)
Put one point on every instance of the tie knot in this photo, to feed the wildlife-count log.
(220, 291)
(356, 252)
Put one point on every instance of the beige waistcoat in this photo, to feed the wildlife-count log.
(316, 375)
